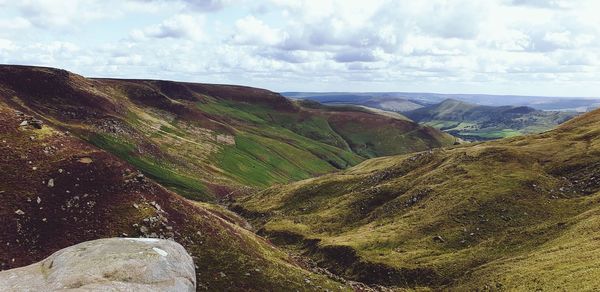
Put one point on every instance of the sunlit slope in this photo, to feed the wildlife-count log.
(206, 141)
(518, 213)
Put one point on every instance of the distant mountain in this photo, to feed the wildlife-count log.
(478, 122)
(383, 99)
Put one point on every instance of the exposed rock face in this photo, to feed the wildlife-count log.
(115, 264)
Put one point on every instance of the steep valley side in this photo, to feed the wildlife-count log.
(58, 190)
(208, 141)
(517, 213)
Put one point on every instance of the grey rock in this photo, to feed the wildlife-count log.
(114, 264)
(36, 123)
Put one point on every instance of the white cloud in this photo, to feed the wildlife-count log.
(51, 13)
(252, 31)
(315, 44)
(15, 23)
(6, 45)
(178, 27)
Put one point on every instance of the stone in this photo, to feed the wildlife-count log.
(36, 123)
(113, 264)
(51, 183)
(85, 160)
(20, 212)
(24, 123)
(438, 238)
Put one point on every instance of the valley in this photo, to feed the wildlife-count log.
(299, 146)
(479, 123)
(518, 213)
(269, 193)
(469, 117)
(407, 101)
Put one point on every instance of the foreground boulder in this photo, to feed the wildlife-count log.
(115, 264)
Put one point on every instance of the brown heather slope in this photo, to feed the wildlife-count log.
(514, 214)
(206, 141)
(57, 190)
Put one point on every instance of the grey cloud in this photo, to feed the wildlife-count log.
(165, 31)
(354, 56)
(197, 5)
(540, 3)
(178, 27)
(295, 57)
(207, 5)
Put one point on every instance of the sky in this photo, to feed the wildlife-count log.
(521, 47)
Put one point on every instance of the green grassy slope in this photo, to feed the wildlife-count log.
(95, 195)
(475, 122)
(205, 141)
(518, 213)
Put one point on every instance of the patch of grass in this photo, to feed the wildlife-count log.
(172, 130)
(494, 134)
(229, 110)
(160, 172)
(261, 161)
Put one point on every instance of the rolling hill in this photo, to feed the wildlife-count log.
(411, 100)
(207, 141)
(519, 213)
(478, 122)
(384, 101)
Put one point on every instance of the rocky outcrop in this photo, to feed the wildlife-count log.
(115, 264)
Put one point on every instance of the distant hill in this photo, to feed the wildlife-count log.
(477, 122)
(517, 214)
(407, 99)
(384, 102)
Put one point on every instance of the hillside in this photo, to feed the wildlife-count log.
(478, 122)
(518, 213)
(58, 190)
(383, 101)
(206, 141)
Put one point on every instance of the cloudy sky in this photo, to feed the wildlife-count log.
(533, 47)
